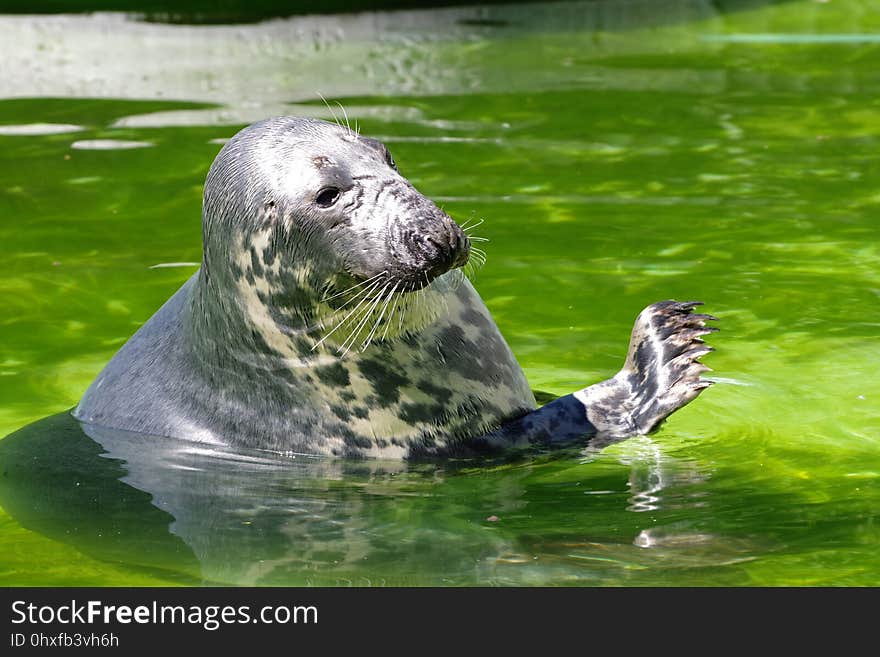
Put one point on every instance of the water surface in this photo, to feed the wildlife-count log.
(618, 154)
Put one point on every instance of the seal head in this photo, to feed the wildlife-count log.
(341, 208)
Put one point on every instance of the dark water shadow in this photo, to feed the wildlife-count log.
(55, 481)
(197, 514)
(612, 14)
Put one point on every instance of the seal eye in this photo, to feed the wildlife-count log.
(327, 197)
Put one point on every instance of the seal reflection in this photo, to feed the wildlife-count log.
(197, 514)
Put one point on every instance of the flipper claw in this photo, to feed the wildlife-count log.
(661, 373)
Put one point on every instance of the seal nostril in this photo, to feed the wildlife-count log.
(455, 241)
(443, 251)
(459, 246)
(433, 241)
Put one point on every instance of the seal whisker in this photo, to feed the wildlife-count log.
(359, 321)
(353, 287)
(368, 290)
(420, 297)
(365, 291)
(469, 226)
(367, 320)
(351, 339)
(391, 314)
(478, 256)
(347, 123)
(332, 113)
(353, 316)
(344, 346)
(411, 286)
(476, 261)
(379, 319)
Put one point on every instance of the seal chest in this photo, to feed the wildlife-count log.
(330, 314)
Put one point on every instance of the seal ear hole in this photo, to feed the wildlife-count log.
(327, 197)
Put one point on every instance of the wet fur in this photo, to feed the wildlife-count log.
(335, 331)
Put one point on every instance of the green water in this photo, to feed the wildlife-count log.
(619, 153)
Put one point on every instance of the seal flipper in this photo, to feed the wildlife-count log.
(661, 374)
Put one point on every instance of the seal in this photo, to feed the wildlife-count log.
(331, 315)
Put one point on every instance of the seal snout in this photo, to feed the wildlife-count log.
(435, 247)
